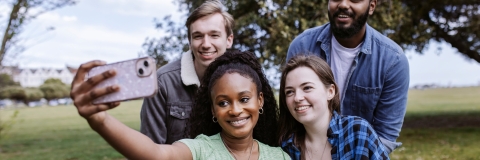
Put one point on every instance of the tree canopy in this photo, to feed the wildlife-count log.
(267, 27)
(21, 12)
(54, 88)
(6, 80)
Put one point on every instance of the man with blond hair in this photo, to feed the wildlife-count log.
(164, 116)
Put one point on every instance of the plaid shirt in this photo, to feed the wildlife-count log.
(351, 137)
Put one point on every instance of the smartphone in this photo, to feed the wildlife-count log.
(137, 78)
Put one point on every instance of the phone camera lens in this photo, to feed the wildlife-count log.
(145, 63)
(140, 71)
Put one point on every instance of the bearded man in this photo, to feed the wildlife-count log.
(371, 70)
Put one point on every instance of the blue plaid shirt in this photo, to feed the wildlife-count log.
(351, 137)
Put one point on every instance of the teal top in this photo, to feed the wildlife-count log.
(212, 147)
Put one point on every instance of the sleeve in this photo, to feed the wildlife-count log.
(295, 48)
(153, 116)
(391, 107)
(368, 141)
(194, 145)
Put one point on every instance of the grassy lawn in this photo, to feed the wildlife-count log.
(440, 124)
(60, 133)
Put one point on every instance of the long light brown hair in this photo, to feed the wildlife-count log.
(288, 125)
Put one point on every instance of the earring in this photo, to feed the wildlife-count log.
(260, 111)
(214, 119)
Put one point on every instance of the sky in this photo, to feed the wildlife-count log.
(114, 30)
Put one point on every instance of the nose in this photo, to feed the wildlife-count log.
(299, 97)
(236, 110)
(206, 44)
(343, 4)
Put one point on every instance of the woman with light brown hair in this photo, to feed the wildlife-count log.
(310, 124)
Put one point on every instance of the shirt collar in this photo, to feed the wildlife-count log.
(326, 36)
(289, 142)
(187, 70)
(334, 129)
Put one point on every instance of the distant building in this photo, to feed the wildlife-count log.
(34, 77)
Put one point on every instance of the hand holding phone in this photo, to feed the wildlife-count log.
(136, 78)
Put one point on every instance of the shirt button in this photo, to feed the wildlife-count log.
(183, 114)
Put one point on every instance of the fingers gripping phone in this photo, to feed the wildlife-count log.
(137, 78)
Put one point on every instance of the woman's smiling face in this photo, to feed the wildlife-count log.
(236, 104)
(307, 96)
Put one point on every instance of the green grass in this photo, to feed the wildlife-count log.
(441, 124)
(435, 143)
(434, 129)
(443, 101)
(60, 133)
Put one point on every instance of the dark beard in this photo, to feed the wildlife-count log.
(354, 28)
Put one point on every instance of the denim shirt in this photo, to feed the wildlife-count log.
(377, 84)
(351, 137)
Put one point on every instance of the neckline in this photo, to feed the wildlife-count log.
(232, 154)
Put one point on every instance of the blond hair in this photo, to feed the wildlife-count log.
(208, 8)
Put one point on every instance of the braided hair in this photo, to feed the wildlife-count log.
(247, 65)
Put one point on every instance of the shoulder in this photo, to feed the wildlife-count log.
(169, 68)
(311, 33)
(268, 152)
(203, 142)
(387, 50)
(355, 124)
(383, 41)
(307, 40)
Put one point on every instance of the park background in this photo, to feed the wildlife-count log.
(442, 122)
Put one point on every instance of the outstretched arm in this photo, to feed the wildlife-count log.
(129, 142)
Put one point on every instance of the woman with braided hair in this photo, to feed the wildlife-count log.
(234, 106)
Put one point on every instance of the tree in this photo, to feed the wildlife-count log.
(54, 88)
(23, 11)
(33, 94)
(267, 27)
(16, 93)
(6, 80)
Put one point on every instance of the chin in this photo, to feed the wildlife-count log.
(305, 120)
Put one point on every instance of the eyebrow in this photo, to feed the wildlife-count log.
(212, 31)
(225, 96)
(303, 84)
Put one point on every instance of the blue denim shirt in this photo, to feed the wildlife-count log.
(377, 84)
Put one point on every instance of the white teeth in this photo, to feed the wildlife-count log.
(207, 53)
(302, 108)
(238, 122)
(343, 16)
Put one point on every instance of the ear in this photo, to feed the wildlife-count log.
(372, 4)
(260, 99)
(331, 92)
(230, 41)
(213, 110)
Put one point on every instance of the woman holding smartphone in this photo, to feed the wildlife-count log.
(234, 106)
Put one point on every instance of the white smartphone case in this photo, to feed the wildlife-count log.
(137, 78)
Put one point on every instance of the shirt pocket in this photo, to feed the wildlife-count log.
(365, 98)
(179, 113)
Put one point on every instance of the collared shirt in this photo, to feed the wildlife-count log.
(377, 85)
(351, 137)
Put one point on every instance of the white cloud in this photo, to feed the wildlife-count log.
(149, 8)
(55, 17)
(77, 39)
(69, 18)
